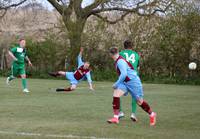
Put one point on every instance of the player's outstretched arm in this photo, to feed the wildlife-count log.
(29, 62)
(81, 51)
(91, 86)
(80, 61)
(89, 79)
(12, 55)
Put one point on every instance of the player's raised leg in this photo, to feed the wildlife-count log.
(136, 90)
(146, 107)
(57, 73)
(82, 72)
(11, 77)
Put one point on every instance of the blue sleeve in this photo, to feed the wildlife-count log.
(88, 76)
(122, 65)
(80, 61)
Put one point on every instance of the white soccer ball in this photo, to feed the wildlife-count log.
(192, 66)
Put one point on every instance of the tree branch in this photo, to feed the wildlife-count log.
(139, 6)
(128, 11)
(113, 9)
(12, 5)
(105, 19)
(160, 10)
(77, 7)
(68, 10)
(56, 5)
(96, 3)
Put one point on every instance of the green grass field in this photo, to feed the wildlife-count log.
(83, 113)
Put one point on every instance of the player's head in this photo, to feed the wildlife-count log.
(86, 65)
(128, 44)
(22, 42)
(114, 52)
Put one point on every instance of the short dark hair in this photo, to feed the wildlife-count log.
(21, 39)
(128, 44)
(113, 50)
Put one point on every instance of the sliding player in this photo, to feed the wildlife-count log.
(132, 57)
(18, 54)
(83, 72)
(128, 81)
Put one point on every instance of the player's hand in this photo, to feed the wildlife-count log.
(30, 64)
(91, 88)
(114, 86)
(81, 50)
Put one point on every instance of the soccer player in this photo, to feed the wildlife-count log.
(82, 72)
(18, 54)
(128, 81)
(132, 57)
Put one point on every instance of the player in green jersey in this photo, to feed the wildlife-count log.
(132, 57)
(18, 54)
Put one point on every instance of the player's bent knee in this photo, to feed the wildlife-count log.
(139, 101)
(115, 95)
(118, 93)
(23, 76)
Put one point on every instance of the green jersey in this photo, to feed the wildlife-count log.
(132, 57)
(20, 54)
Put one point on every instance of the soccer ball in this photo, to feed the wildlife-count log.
(192, 66)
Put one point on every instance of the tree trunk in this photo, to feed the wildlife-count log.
(75, 31)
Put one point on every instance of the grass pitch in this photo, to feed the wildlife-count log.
(83, 113)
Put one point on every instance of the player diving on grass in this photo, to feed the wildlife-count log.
(18, 54)
(132, 57)
(128, 81)
(82, 73)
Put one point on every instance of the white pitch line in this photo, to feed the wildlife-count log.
(49, 135)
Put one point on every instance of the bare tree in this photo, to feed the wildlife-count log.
(74, 15)
(7, 4)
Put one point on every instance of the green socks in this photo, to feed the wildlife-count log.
(120, 107)
(134, 106)
(24, 84)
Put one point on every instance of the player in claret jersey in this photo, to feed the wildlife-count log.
(128, 81)
(82, 72)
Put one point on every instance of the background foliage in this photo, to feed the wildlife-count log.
(166, 44)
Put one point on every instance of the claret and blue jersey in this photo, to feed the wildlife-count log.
(133, 83)
(75, 77)
(124, 70)
(88, 74)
